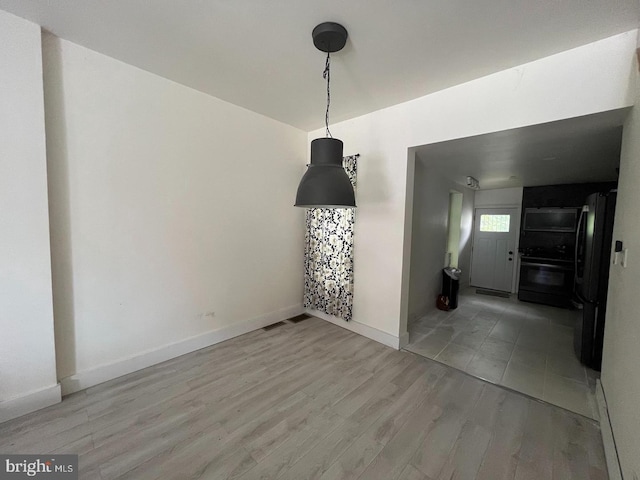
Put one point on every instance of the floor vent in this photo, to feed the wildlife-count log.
(494, 293)
(299, 318)
(273, 325)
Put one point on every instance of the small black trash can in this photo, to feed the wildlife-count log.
(451, 285)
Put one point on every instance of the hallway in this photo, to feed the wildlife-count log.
(523, 346)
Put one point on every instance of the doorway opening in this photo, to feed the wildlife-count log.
(525, 345)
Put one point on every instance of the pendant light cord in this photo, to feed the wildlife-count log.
(327, 74)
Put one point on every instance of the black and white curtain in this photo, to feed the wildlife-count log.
(328, 264)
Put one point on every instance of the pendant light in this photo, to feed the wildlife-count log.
(325, 184)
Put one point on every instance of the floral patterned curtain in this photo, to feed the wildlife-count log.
(328, 264)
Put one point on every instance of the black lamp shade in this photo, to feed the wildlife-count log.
(325, 184)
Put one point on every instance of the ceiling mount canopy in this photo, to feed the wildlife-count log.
(329, 37)
(325, 183)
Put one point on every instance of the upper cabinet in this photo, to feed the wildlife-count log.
(550, 219)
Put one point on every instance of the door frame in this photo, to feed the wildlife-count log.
(516, 225)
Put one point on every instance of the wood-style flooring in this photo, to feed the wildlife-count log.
(309, 401)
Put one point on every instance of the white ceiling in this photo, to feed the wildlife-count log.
(258, 53)
(578, 150)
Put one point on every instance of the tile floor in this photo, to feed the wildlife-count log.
(522, 346)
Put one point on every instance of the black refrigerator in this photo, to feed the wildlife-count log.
(593, 254)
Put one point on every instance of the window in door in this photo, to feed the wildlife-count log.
(494, 223)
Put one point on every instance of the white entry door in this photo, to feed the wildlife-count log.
(494, 242)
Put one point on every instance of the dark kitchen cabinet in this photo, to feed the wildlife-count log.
(554, 196)
(547, 262)
(571, 195)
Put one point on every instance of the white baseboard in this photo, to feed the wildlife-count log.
(610, 450)
(360, 328)
(103, 373)
(18, 406)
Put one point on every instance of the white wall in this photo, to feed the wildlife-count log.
(429, 236)
(173, 224)
(453, 229)
(500, 198)
(621, 356)
(466, 230)
(27, 357)
(585, 80)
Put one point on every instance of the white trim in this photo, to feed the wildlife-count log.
(610, 450)
(360, 328)
(32, 401)
(103, 373)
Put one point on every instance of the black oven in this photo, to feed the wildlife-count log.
(547, 281)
